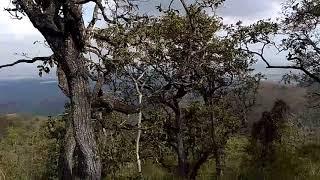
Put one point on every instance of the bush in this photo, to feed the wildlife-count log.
(25, 152)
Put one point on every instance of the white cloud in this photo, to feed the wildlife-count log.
(249, 12)
(17, 36)
(16, 29)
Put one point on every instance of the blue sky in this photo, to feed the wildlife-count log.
(18, 36)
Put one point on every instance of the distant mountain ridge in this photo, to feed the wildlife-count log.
(32, 96)
(43, 97)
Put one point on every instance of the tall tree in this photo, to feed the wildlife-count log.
(61, 24)
(184, 56)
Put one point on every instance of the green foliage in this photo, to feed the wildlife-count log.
(116, 145)
(30, 152)
(25, 151)
(286, 159)
(295, 33)
(165, 49)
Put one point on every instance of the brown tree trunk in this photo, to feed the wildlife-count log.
(65, 33)
(83, 129)
(67, 153)
(219, 157)
(80, 96)
(182, 158)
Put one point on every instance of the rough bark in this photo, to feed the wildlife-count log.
(182, 158)
(67, 153)
(89, 160)
(83, 130)
(219, 163)
(66, 38)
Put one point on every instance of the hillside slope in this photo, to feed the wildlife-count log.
(269, 92)
(44, 97)
(31, 96)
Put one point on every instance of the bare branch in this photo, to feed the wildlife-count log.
(184, 4)
(269, 66)
(114, 104)
(98, 87)
(311, 75)
(171, 4)
(102, 9)
(62, 81)
(92, 23)
(28, 61)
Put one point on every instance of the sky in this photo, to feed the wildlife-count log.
(19, 36)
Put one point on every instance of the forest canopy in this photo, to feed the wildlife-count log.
(167, 96)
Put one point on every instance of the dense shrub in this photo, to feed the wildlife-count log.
(30, 150)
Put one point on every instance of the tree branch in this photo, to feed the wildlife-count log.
(98, 87)
(104, 15)
(197, 165)
(62, 81)
(186, 8)
(113, 104)
(269, 66)
(308, 73)
(28, 61)
(89, 31)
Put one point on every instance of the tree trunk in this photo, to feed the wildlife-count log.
(89, 160)
(198, 164)
(83, 129)
(65, 33)
(182, 158)
(67, 153)
(217, 149)
(138, 136)
(219, 163)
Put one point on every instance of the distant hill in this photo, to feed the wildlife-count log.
(269, 92)
(32, 96)
(43, 97)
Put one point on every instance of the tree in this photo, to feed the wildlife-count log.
(294, 34)
(61, 24)
(169, 47)
(225, 74)
(267, 130)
